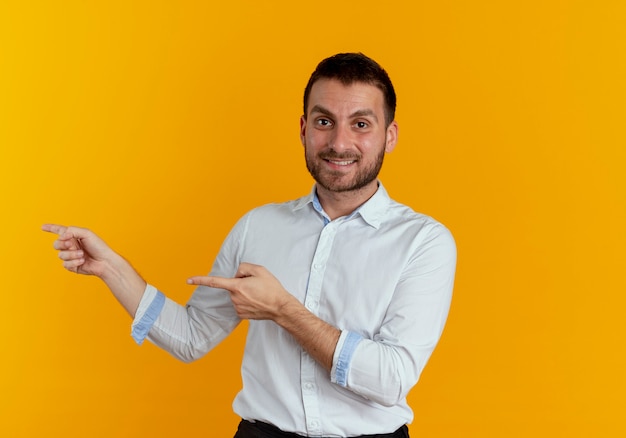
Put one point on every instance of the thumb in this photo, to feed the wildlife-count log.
(249, 270)
(76, 237)
(77, 233)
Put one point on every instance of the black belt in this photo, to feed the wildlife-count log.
(258, 429)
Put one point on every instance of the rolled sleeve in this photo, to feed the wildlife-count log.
(346, 346)
(149, 309)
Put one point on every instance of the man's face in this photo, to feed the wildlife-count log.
(344, 134)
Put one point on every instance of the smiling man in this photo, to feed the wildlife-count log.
(346, 290)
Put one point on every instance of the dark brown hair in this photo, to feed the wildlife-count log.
(355, 67)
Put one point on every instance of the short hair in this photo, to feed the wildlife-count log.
(355, 67)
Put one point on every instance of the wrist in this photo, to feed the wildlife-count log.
(125, 283)
(290, 310)
(112, 268)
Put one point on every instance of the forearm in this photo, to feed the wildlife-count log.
(124, 282)
(317, 337)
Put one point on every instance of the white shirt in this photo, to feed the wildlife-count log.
(382, 275)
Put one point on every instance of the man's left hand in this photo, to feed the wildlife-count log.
(254, 291)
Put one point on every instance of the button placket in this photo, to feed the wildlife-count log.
(318, 266)
(312, 302)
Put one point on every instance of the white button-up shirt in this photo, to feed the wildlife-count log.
(382, 275)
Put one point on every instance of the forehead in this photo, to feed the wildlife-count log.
(335, 96)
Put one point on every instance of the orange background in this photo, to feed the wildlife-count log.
(159, 123)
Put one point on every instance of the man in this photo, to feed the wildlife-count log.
(346, 290)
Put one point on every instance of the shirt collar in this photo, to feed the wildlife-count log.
(372, 211)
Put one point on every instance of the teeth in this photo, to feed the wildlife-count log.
(341, 163)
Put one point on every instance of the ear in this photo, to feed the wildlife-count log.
(392, 136)
(302, 129)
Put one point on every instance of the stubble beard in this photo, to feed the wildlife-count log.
(333, 180)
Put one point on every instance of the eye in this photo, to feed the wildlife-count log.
(361, 125)
(323, 122)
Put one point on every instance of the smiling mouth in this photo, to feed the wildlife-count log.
(341, 163)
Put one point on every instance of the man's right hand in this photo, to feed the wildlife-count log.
(81, 250)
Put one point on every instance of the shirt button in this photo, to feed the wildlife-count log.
(308, 386)
(314, 424)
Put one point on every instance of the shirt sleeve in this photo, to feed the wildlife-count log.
(189, 332)
(149, 309)
(385, 368)
(342, 358)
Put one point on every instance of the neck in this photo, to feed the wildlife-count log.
(338, 204)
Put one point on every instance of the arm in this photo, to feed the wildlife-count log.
(83, 252)
(385, 366)
(187, 332)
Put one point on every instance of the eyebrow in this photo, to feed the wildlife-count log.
(359, 113)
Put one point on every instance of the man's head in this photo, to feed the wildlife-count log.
(349, 68)
(348, 124)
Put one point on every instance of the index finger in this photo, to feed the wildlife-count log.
(54, 228)
(216, 282)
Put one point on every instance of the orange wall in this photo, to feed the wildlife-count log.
(159, 123)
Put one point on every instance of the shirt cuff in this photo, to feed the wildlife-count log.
(346, 346)
(148, 311)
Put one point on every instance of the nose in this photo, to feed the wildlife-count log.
(341, 139)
